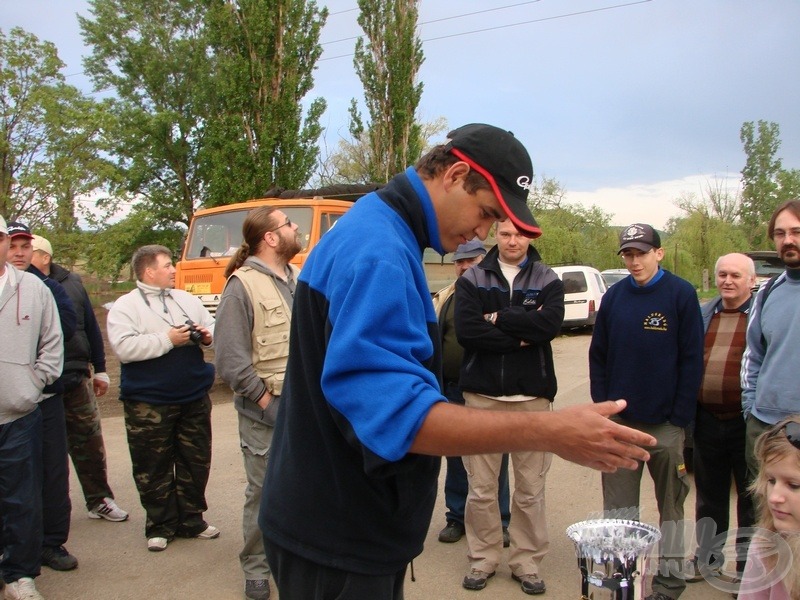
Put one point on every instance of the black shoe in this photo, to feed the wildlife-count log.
(256, 589)
(658, 596)
(506, 539)
(475, 579)
(453, 532)
(59, 559)
(530, 584)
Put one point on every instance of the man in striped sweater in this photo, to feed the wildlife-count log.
(719, 433)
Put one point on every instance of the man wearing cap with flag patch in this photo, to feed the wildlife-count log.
(348, 497)
(647, 347)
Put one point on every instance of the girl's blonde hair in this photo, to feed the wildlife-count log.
(770, 447)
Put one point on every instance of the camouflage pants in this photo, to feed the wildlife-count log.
(171, 457)
(86, 447)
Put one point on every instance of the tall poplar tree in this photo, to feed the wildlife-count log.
(759, 178)
(257, 135)
(387, 61)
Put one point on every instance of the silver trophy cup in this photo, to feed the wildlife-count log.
(611, 555)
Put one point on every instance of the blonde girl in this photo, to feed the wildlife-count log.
(773, 561)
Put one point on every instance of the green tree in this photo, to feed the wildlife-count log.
(256, 135)
(571, 234)
(110, 249)
(759, 178)
(350, 162)
(387, 64)
(696, 240)
(153, 55)
(51, 136)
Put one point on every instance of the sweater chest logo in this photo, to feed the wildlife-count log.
(530, 298)
(655, 322)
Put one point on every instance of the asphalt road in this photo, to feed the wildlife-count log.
(115, 563)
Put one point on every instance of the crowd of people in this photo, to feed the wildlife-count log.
(350, 383)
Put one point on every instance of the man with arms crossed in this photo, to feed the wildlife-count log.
(350, 490)
(508, 310)
(251, 347)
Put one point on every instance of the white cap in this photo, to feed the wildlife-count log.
(40, 243)
(3, 226)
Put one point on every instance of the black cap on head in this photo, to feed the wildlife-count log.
(17, 229)
(640, 236)
(503, 161)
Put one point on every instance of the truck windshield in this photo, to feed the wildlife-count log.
(220, 234)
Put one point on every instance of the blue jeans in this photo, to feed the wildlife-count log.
(456, 486)
(21, 496)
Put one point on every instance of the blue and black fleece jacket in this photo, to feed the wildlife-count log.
(342, 489)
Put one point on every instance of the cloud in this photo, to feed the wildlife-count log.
(652, 203)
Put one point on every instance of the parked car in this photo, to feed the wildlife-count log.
(583, 291)
(612, 276)
(768, 263)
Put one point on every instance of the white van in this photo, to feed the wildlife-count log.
(583, 291)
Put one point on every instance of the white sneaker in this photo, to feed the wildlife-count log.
(108, 510)
(209, 533)
(157, 544)
(22, 589)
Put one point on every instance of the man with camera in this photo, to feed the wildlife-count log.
(158, 333)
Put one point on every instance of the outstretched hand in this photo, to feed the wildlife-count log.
(586, 436)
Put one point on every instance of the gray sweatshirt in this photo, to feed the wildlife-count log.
(33, 355)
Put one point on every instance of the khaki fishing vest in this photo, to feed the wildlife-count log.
(271, 320)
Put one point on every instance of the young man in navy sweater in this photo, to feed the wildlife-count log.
(647, 347)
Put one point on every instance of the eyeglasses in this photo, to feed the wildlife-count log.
(634, 255)
(792, 431)
(288, 222)
(780, 234)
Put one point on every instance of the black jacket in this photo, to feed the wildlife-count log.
(494, 362)
(87, 344)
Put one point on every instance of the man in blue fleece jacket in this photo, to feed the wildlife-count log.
(352, 479)
(647, 347)
(770, 361)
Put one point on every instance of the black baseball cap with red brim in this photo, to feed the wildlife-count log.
(502, 159)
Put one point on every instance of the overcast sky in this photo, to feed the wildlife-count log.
(627, 104)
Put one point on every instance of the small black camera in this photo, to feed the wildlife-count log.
(194, 335)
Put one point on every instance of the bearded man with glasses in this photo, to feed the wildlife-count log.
(770, 362)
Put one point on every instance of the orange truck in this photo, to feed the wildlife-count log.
(216, 233)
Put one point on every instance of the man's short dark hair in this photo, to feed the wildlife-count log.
(793, 206)
(146, 256)
(438, 160)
